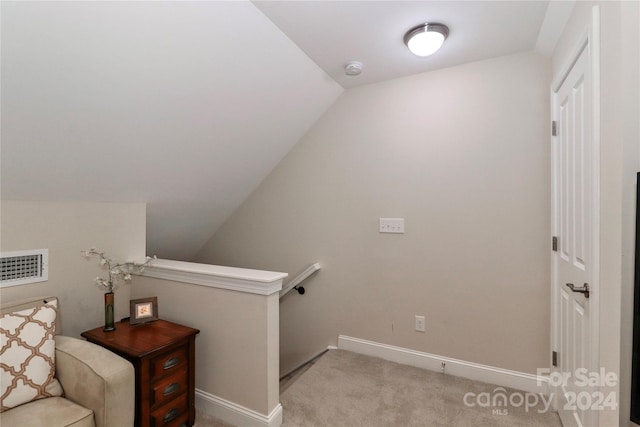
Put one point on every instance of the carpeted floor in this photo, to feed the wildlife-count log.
(204, 420)
(344, 389)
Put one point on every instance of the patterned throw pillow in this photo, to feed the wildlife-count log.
(27, 356)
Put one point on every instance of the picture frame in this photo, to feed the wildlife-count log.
(143, 310)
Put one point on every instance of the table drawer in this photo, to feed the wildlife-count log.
(173, 414)
(168, 387)
(169, 362)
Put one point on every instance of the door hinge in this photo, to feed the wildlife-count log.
(554, 244)
(554, 358)
(554, 128)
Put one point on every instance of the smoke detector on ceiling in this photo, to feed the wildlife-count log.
(353, 68)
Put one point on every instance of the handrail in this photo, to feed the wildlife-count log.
(293, 284)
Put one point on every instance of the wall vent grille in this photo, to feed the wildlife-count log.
(23, 267)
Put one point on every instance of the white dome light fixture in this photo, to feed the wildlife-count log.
(426, 39)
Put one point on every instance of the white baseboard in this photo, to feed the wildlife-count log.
(235, 414)
(459, 368)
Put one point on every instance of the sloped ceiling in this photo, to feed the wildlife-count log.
(371, 32)
(187, 106)
(183, 105)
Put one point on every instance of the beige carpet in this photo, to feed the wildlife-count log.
(204, 420)
(343, 389)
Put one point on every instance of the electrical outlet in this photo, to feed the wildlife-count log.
(420, 323)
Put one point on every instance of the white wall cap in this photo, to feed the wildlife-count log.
(238, 279)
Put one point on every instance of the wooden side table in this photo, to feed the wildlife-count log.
(163, 355)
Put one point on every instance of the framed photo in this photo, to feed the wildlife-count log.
(143, 310)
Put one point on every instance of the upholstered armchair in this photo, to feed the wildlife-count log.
(92, 387)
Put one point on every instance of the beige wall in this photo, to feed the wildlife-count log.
(237, 347)
(631, 139)
(630, 120)
(620, 160)
(462, 154)
(66, 228)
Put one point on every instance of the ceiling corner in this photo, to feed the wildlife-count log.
(555, 19)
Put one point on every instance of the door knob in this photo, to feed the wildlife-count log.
(583, 290)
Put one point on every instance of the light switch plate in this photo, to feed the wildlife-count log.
(392, 225)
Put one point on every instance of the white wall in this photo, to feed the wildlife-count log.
(66, 228)
(157, 88)
(462, 154)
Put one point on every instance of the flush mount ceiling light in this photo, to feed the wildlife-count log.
(426, 39)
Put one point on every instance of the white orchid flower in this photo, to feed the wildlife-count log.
(117, 271)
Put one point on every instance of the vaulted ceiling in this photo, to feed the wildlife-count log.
(187, 106)
(371, 32)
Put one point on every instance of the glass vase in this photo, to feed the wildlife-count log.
(108, 312)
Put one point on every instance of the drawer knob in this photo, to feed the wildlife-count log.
(171, 388)
(170, 363)
(171, 415)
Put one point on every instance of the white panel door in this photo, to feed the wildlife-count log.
(573, 260)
